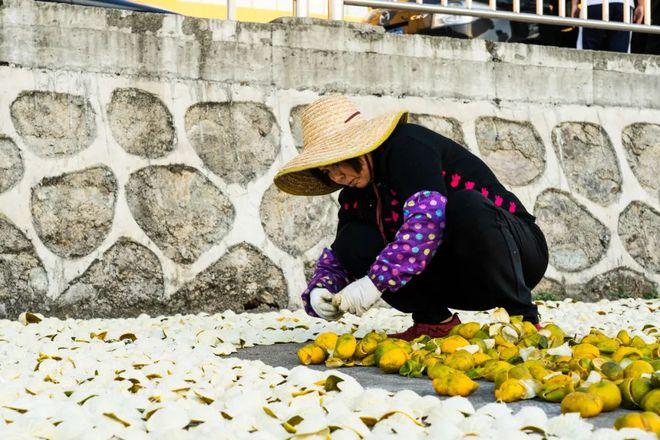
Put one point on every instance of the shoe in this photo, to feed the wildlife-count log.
(431, 330)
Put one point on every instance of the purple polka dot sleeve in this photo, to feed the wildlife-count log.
(415, 242)
(329, 274)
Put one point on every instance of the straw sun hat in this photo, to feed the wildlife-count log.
(333, 130)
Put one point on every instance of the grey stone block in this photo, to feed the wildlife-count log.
(11, 164)
(296, 223)
(549, 289)
(241, 280)
(73, 212)
(642, 144)
(23, 279)
(587, 157)
(639, 229)
(576, 240)
(141, 123)
(135, 23)
(448, 127)
(237, 141)
(125, 281)
(619, 283)
(53, 124)
(513, 149)
(295, 123)
(179, 209)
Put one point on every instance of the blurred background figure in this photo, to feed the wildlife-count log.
(601, 39)
(648, 43)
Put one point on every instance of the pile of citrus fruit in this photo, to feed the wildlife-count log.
(593, 374)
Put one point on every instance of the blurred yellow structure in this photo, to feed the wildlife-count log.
(251, 10)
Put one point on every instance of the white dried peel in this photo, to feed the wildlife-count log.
(170, 378)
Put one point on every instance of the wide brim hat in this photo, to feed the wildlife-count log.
(333, 130)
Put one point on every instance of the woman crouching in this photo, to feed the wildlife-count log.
(423, 223)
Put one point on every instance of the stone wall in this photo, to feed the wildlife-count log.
(137, 153)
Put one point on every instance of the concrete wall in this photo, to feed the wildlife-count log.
(137, 153)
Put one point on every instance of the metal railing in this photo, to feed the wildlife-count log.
(336, 12)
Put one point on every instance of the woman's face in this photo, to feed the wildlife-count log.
(344, 174)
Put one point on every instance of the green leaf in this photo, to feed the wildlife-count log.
(411, 368)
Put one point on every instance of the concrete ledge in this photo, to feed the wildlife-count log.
(318, 55)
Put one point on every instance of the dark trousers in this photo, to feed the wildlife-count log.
(488, 258)
(648, 43)
(600, 39)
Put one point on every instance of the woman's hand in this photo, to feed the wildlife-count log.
(321, 301)
(357, 297)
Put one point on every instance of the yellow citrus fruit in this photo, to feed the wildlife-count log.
(405, 345)
(608, 345)
(368, 360)
(587, 404)
(636, 368)
(311, 354)
(432, 360)
(612, 370)
(507, 353)
(327, 341)
(517, 372)
(554, 334)
(384, 346)
(392, 360)
(529, 328)
(609, 393)
(365, 347)
(555, 392)
(492, 368)
(479, 358)
(378, 336)
(580, 366)
(559, 378)
(439, 370)
(655, 378)
(420, 355)
(637, 342)
(345, 347)
(539, 372)
(585, 350)
(456, 384)
(651, 402)
(625, 352)
(647, 421)
(623, 337)
(533, 340)
(511, 390)
(451, 343)
(469, 329)
(500, 341)
(460, 360)
(633, 391)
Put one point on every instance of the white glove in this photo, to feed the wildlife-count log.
(321, 302)
(357, 297)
